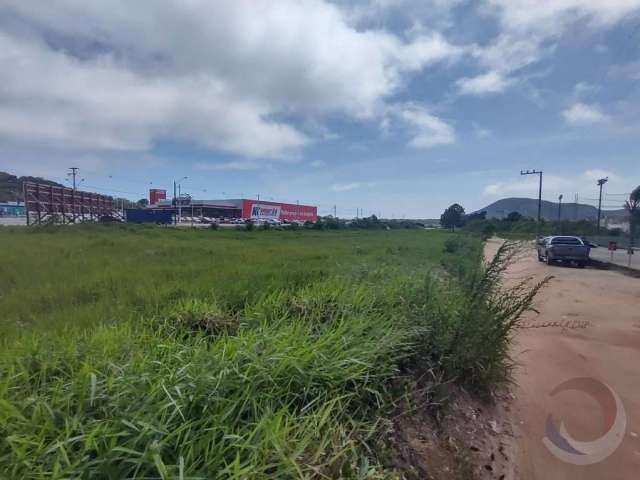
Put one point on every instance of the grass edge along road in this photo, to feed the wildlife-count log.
(295, 382)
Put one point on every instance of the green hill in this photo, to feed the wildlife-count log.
(11, 186)
(528, 207)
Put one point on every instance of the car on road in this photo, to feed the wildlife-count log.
(565, 249)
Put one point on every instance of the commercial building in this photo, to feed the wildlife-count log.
(241, 208)
(12, 209)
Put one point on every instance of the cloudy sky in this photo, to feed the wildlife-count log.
(398, 107)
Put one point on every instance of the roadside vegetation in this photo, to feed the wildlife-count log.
(133, 352)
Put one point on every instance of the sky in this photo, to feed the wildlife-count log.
(393, 107)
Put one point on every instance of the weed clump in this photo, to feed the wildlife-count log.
(468, 320)
(193, 316)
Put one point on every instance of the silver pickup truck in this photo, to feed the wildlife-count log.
(563, 249)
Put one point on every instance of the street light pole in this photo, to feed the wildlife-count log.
(601, 182)
(539, 173)
(560, 207)
(73, 173)
(176, 185)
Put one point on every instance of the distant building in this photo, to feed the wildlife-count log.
(241, 208)
(616, 223)
(12, 209)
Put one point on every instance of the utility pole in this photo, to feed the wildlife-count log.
(539, 173)
(601, 182)
(176, 185)
(335, 209)
(74, 172)
(560, 207)
(560, 227)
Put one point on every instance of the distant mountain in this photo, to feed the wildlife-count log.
(11, 186)
(528, 207)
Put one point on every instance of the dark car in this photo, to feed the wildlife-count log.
(563, 249)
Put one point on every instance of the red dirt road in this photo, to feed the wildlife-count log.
(606, 349)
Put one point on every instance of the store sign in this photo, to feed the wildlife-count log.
(265, 211)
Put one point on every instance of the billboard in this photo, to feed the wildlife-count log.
(57, 204)
(155, 195)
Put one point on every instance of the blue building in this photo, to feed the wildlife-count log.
(12, 209)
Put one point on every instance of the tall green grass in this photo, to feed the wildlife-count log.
(84, 275)
(157, 353)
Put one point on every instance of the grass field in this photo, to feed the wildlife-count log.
(132, 352)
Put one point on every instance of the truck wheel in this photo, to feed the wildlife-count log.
(540, 259)
(548, 260)
(581, 264)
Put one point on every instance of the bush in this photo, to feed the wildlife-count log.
(249, 225)
(488, 231)
(214, 226)
(453, 245)
(469, 321)
(195, 316)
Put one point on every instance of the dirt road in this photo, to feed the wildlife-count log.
(607, 349)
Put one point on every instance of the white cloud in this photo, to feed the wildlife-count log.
(125, 75)
(580, 114)
(583, 184)
(585, 88)
(554, 15)
(345, 187)
(596, 174)
(232, 165)
(318, 163)
(481, 132)
(426, 130)
(530, 28)
(490, 82)
(527, 186)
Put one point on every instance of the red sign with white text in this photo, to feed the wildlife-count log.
(155, 195)
(260, 210)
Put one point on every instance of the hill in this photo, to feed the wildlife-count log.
(528, 207)
(11, 186)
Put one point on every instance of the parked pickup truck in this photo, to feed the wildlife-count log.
(563, 249)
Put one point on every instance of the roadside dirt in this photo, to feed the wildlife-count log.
(602, 310)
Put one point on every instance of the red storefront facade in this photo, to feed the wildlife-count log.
(261, 210)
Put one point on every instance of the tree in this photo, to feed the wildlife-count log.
(452, 217)
(476, 216)
(633, 207)
(514, 217)
(143, 202)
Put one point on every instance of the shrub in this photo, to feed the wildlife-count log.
(214, 226)
(488, 231)
(194, 316)
(453, 245)
(249, 225)
(468, 322)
